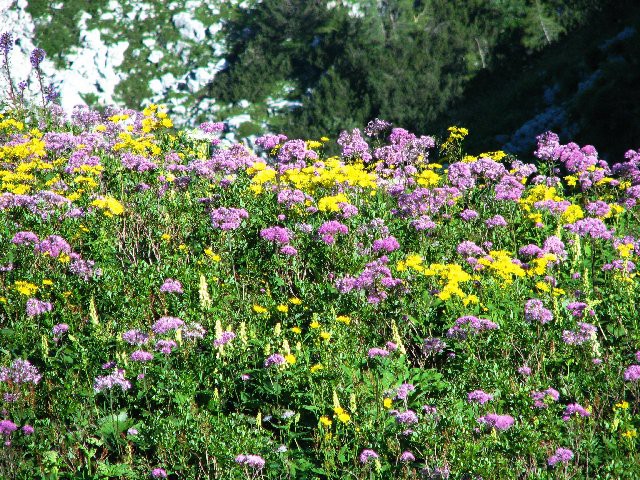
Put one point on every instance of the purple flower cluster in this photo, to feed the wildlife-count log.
(377, 352)
(407, 457)
(375, 279)
(53, 246)
(25, 238)
(404, 149)
(37, 307)
(433, 346)
(223, 339)
(534, 310)
(274, 359)
(574, 409)
(469, 324)
(585, 333)
(135, 337)
(479, 396)
(376, 126)
(403, 390)
(509, 188)
(141, 356)
(269, 141)
(632, 373)
(328, 231)
(592, 227)
(228, 218)
(7, 427)
(367, 455)
(211, 127)
(562, 455)
(166, 324)
(171, 286)
(36, 57)
(423, 223)
(524, 371)
(6, 42)
(292, 197)
(193, 331)
(252, 461)
(577, 309)
(114, 379)
(495, 221)
(293, 154)
(276, 234)
(388, 244)
(407, 417)
(20, 371)
(158, 473)
(499, 422)
(59, 330)
(137, 163)
(539, 398)
(165, 346)
(469, 249)
(468, 215)
(354, 146)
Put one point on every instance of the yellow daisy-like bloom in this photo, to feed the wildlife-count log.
(325, 335)
(282, 308)
(622, 405)
(326, 421)
(387, 403)
(213, 256)
(314, 324)
(316, 367)
(259, 309)
(344, 417)
(166, 237)
(295, 301)
(109, 206)
(290, 358)
(343, 319)
(296, 330)
(25, 288)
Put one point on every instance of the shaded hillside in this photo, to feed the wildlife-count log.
(584, 87)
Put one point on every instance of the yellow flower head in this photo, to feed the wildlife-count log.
(259, 309)
(326, 421)
(25, 288)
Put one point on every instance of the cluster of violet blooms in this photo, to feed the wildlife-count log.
(20, 372)
(54, 246)
(164, 326)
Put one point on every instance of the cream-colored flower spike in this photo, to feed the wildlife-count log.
(203, 293)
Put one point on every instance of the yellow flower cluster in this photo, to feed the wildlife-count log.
(25, 288)
(455, 134)
(109, 206)
(572, 214)
(142, 145)
(326, 174)
(501, 263)
(32, 147)
(449, 276)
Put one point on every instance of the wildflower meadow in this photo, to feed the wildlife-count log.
(380, 305)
